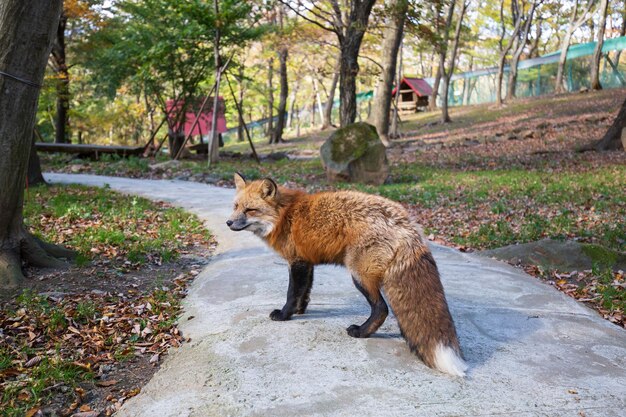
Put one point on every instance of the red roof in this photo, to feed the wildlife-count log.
(203, 127)
(418, 85)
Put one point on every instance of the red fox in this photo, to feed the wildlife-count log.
(378, 243)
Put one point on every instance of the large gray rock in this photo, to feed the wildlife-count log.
(554, 254)
(355, 154)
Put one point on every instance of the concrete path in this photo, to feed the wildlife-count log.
(532, 351)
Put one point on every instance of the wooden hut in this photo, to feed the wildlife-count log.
(201, 127)
(188, 126)
(414, 93)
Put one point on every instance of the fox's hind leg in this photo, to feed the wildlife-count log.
(378, 314)
(300, 282)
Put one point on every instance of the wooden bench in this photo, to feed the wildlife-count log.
(93, 151)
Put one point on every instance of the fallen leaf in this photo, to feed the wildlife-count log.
(31, 412)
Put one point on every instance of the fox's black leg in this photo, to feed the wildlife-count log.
(300, 281)
(377, 316)
(304, 298)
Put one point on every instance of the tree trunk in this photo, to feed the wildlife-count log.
(432, 100)
(622, 32)
(504, 50)
(318, 101)
(328, 109)
(62, 134)
(297, 122)
(34, 176)
(467, 91)
(270, 98)
(562, 60)
(175, 140)
(438, 46)
(25, 41)
(284, 92)
(292, 104)
(394, 131)
(443, 52)
(240, 132)
(392, 37)
(534, 49)
(350, 38)
(512, 79)
(597, 53)
(521, 43)
(573, 26)
(214, 142)
(613, 137)
(447, 75)
(349, 68)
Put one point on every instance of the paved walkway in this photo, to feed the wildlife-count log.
(532, 351)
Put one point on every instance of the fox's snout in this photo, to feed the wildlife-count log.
(237, 224)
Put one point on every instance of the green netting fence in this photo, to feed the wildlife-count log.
(537, 76)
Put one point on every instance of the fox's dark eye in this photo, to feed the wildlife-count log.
(250, 211)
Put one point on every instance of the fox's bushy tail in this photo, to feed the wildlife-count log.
(414, 290)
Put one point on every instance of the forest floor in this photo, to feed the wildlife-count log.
(492, 177)
(85, 339)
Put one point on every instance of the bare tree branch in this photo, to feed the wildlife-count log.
(308, 19)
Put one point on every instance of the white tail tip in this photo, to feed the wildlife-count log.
(448, 361)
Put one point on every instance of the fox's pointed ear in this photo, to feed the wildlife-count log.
(268, 188)
(240, 181)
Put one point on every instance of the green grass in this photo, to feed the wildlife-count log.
(98, 220)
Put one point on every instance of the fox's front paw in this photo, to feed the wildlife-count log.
(355, 331)
(277, 315)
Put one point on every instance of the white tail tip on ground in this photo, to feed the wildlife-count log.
(448, 361)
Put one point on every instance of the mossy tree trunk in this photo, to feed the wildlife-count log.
(26, 32)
